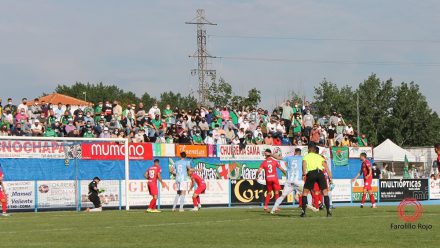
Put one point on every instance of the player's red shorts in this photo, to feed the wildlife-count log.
(273, 185)
(367, 184)
(2, 196)
(316, 187)
(152, 188)
(200, 189)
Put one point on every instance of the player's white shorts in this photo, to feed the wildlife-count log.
(290, 186)
(181, 185)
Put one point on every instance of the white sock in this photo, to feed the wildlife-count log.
(176, 198)
(277, 203)
(182, 201)
(309, 200)
(96, 210)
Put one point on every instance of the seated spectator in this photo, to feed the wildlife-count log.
(345, 141)
(315, 134)
(269, 139)
(49, 132)
(37, 128)
(197, 138)
(4, 131)
(21, 116)
(221, 140)
(387, 173)
(69, 127)
(105, 134)
(209, 140)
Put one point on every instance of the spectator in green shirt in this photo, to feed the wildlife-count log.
(362, 141)
(197, 138)
(49, 132)
(168, 115)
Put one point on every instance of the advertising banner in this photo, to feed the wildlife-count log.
(21, 194)
(355, 152)
(399, 189)
(164, 150)
(192, 151)
(342, 190)
(138, 194)
(114, 151)
(32, 149)
(358, 189)
(250, 192)
(233, 152)
(56, 194)
(217, 193)
(434, 190)
(109, 198)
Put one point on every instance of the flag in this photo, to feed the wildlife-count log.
(406, 159)
(340, 156)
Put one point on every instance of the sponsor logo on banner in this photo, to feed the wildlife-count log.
(192, 151)
(164, 150)
(109, 198)
(56, 194)
(358, 189)
(434, 190)
(355, 152)
(250, 192)
(217, 193)
(32, 149)
(114, 151)
(342, 190)
(138, 194)
(21, 194)
(233, 152)
(400, 189)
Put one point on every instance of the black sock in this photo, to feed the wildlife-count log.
(304, 204)
(327, 202)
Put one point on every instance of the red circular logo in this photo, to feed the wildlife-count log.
(410, 217)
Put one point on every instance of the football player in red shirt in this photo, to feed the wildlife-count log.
(368, 179)
(270, 165)
(152, 175)
(201, 187)
(3, 196)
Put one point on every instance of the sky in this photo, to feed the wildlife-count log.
(143, 46)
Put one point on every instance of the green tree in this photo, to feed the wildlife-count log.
(188, 102)
(220, 94)
(148, 100)
(375, 99)
(412, 123)
(97, 92)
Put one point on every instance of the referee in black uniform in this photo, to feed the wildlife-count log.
(313, 169)
(94, 195)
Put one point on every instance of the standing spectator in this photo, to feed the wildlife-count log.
(117, 110)
(11, 107)
(362, 141)
(154, 111)
(349, 131)
(331, 135)
(334, 120)
(287, 113)
(59, 111)
(168, 115)
(308, 122)
(23, 105)
(315, 134)
(376, 172)
(323, 121)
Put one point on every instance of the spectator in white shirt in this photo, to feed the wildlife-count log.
(154, 111)
(23, 105)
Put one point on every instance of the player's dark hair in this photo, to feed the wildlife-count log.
(437, 145)
(298, 150)
(363, 155)
(312, 147)
(156, 160)
(183, 154)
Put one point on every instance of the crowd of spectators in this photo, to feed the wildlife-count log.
(288, 124)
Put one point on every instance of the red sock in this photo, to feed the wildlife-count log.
(315, 199)
(152, 204)
(372, 199)
(4, 206)
(198, 199)
(276, 196)
(266, 201)
(195, 202)
(300, 201)
(363, 198)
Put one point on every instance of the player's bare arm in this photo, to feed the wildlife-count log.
(164, 185)
(357, 176)
(304, 168)
(329, 173)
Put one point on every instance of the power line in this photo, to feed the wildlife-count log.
(343, 62)
(324, 39)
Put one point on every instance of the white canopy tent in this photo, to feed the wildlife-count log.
(389, 151)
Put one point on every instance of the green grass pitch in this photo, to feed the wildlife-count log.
(237, 227)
